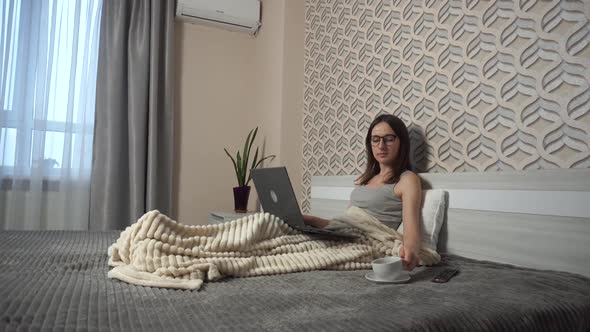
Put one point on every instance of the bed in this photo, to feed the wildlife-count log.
(57, 280)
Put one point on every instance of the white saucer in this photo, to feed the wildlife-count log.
(400, 280)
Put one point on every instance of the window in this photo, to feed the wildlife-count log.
(48, 60)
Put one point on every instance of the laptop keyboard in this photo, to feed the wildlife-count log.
(312, 229)
(321, 231)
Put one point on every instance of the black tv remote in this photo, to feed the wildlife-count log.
(445, 275)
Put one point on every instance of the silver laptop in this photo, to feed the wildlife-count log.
(278, 198)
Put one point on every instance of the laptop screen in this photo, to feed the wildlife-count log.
(276, 194)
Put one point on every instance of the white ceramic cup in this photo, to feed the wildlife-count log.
(388, 268)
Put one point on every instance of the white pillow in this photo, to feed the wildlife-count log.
(433, 214)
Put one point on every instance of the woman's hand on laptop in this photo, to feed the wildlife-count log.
(315, 221)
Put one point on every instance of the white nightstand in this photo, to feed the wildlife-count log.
(220, 217)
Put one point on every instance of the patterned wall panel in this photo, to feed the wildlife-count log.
(483, 85)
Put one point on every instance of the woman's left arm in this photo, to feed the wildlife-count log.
(410, 191)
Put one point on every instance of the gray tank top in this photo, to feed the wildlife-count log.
(380, 202)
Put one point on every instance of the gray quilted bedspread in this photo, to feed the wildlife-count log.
(58, 281)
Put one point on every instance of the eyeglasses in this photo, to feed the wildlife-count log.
(387, 139)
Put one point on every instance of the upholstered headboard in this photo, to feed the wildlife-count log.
(538, 219)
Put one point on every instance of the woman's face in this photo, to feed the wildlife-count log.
(384, 144)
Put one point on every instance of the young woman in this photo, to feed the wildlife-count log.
(387, 189)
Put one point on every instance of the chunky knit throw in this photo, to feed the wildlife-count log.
(157, 251)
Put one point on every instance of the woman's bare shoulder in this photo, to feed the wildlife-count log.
(408, 181)
(409, 176)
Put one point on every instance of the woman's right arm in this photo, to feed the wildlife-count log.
(315, 221)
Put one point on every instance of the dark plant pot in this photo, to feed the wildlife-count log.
(241, 195)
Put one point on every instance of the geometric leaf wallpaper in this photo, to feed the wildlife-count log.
(482, 85)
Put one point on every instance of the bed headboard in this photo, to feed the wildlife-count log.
(538, 219)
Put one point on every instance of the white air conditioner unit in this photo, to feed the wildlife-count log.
(235, 15)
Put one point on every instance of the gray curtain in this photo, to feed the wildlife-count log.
(133, 142)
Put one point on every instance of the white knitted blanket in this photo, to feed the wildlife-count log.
(159, 252)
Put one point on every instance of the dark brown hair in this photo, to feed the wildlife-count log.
(401, 162)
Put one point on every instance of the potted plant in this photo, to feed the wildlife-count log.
(243, 173)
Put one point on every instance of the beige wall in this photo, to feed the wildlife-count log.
(280, 64)
(292, 87)
(228, 83)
